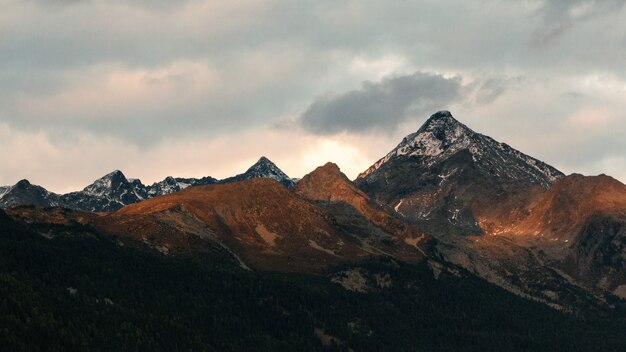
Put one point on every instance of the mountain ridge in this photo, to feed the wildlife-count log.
(113, 190)
(445, 193)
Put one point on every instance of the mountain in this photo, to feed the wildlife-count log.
(266, 226)
(580, 227)
(560, 213)
(263, 168)
(260, 221)
(415, 252)
(509, 218)
(108, 193)
(113, 191)
(447, 177)
(24, 192)
(444, 195)
(353, 209)
(174, 184)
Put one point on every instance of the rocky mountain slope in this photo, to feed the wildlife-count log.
(260, 221)
(580, 226)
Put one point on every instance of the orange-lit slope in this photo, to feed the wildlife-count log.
(266, 225)
(566, 207)
(328, 185)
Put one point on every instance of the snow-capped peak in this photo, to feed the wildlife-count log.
(264, 167)
(442, 136)
(167, 186)
(438, 134)
(23, 184)
(105, 184)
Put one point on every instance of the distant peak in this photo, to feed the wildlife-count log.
(109, 181)
(440, 134)
(262, 164)
(114, 174)
(443, 114)
(331, 165)
(23, 183)
(440, 120)
(328, 168)
(264, 160)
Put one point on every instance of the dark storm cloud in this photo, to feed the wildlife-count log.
(381, 105)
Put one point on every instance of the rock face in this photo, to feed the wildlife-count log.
(448, 178)
(598, 255)
(263, 168)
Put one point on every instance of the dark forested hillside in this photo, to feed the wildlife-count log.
(82, 291)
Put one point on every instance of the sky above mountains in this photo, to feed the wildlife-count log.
(196, 88)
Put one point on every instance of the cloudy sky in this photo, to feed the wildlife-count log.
(195, 88)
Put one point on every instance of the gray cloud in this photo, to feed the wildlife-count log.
(381, 105)
(560, 16)
(487, 89)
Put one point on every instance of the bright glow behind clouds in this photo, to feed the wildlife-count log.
(196, 88)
